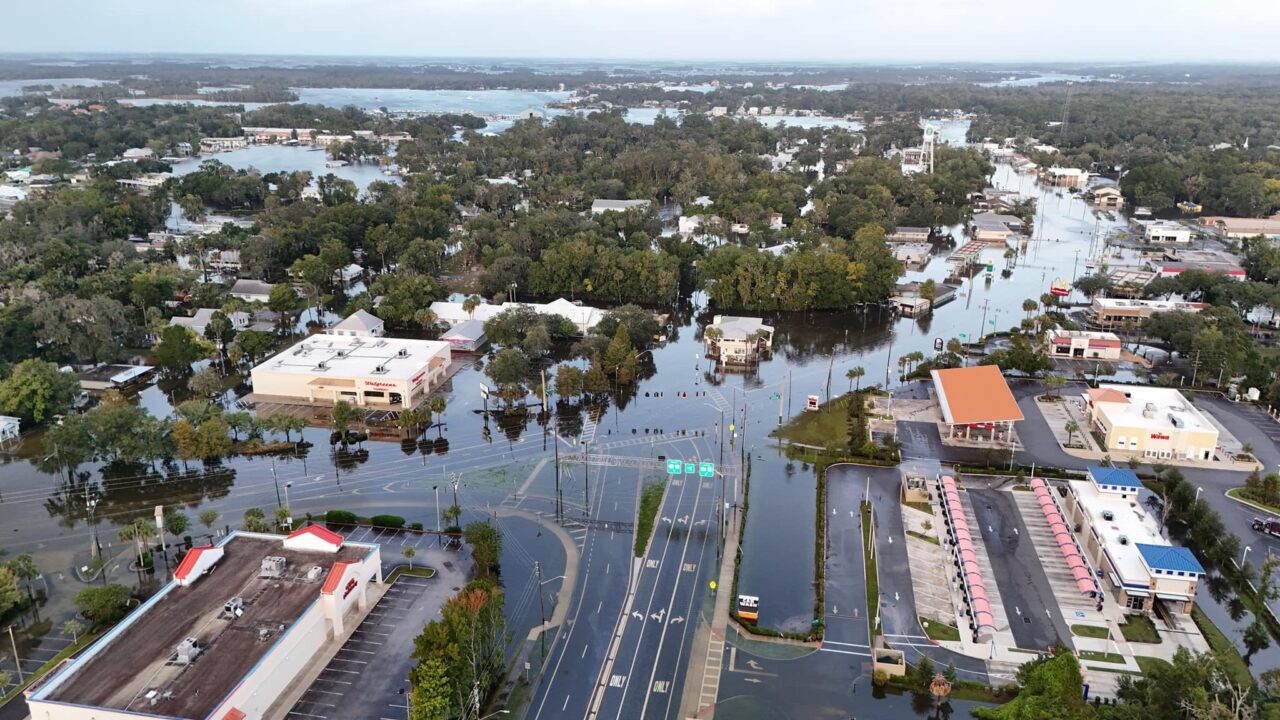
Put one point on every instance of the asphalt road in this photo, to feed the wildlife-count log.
(1018, 571)
(846, 586)
(643, 675)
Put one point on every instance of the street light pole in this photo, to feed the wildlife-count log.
(1244, 555)
(288, 506)
(437, 489)
(275, 480)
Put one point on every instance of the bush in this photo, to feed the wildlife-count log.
(340, 517)
(416, 527)
(394, 522)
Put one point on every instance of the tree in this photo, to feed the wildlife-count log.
(139, 533)
(205, 383)
(438, 405)
(342, 417)
(287, 423)
(25, 569)
(284, 300)
(68, 444)
(432, 694)
(470, 304)
(855, 373)
(1072, 427)
(213, 439)
(103, 605)
(208, 518)
(486, 547)
(508, 369)
(618, 352)
(409, 552)
(37, 390)
(283, 518)
(74, 628)
(1029, 306)
(186, 441)
(176, 523)
(10, 595)
(569, 381)
(255, 521)
(178, 349)
(1054, 382)
(1051, 688)
(595, 381)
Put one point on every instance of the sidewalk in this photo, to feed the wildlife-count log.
(706, 661)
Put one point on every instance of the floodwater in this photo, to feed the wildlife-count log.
(287, 158)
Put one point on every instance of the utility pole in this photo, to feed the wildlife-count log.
(437, 489)
(830, 366)
(17, 662)
(982, 329)
(542, 613)
(276, 480)
(555, 430)
(1195, 367)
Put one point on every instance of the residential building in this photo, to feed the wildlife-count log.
(226, 637)
(1150, 422)
(115, 377)
(1083, 345)
(1239, 228)
(976, 398)
(1122, 539)
(198, 322)
(912, 254)
(584, 317)
(904, 234)
(994, 227)
(738, 340)
(278, 135)
(1165, 231)
(1117, 312)
(251, 291)
(359, 324)
(604, 206)
(138, 154)
(144, 184)
(1064, 176)
(363, 370)
(216, 144)
(10, 428)
(466, 336)
(1109, 197)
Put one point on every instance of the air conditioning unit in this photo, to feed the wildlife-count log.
(188, 649)
(1108, 515)
(342, 353)
(404, 352)
(314, 573)
(272, 567)
(1124, 539)
(234, 607)
(322, 365)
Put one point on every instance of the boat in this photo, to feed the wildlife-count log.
(1060, 288)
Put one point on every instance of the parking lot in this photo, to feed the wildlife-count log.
(365, 677)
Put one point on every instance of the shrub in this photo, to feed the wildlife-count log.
(387, 521)
(416, 527)
(103, 605)
(340, 517)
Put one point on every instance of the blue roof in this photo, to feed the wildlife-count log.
(1170, 557)
(1123, 477)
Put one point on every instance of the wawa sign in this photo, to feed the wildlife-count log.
(352, 584)
(1159, 436)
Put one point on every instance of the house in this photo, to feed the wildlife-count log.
(603, 206)
(1064, 177)
(904, 234)
(1108, 196)
(467, 336)
(719, 111)
(1239, 228)
(348, 275)
(198, 322)
(775, 221)
(738, 340)
(912, 254)
(584, 317)
(217, 144)
(251, 291)
(1165, 231)
(115, 377)
(133, 154)
(529, 114)
(994, 227)
(359, 324)
(688, 224)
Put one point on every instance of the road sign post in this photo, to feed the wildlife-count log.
(675, 467)
(707, 469)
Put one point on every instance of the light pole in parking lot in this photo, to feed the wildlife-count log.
(1244, 555)
(1198, 491)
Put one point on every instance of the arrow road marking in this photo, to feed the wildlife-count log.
(677, 620)
(638, 615)
(659, 615)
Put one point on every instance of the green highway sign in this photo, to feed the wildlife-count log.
(775, 396)
(707, 469)
(674, 467)
(691, 468)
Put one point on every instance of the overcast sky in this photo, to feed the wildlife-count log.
(892, 30)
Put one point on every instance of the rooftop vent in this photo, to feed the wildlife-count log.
(1108, 515)
(314, 573)
(272, 567)
(188, 649)
(1175, 421)
(322, 365)
(404, 352)
(1124, 539)
(234, 607)
(342, 353)
(380, 370)
(1149, 410)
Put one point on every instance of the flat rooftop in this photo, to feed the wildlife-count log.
(1128, 520)
(1167, 408)
(1152, 305)
(135, 658)
(345, 356)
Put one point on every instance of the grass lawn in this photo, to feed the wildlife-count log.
(873, 578)
(1090, 631)
(939, 631)
(1139, 628)
(922, 536)
(829, 426)
(1108, 657)
(1227, 654)
(650, 501)
(923, 507)
(1238, 494)
(416, 571)
(1149, 663)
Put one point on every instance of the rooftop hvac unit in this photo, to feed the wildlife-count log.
(272, 566)
(188, 649)
(1124, 539)
(342, 353)
(314, 573)
(380, 370)
(1108, 515)
(264, 634)
(404, 352)
(1175, 421)
(322, 365)
(234, 607)
(1149, 410)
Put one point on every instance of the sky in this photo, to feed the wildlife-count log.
(760, 30)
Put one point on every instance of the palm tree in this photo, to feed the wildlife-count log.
(470, 304)
(26, 570)
(1072, 427)
(438, 405)
(855, 373)
(138, 533)
(409, 552)
(1029, 306)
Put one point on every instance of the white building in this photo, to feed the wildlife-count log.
(251, 291)
(912, 253)
(359, 324)
(1065, 176)
(1111, 312)
(218, 144)
(603, 206)
(1083, 345)
(1165, 231)
(737, 340)
(198, 322)
(138, 154)
(10, 428)
(362, 370)
(584, 317)
(1120, 538)
(226, 637)
(1155, 423)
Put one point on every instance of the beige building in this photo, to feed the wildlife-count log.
(354, 363)
(226, 637)
(1116, 312)
(1150, 422)
(1108, 196)
(1119, 537)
